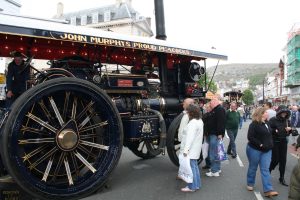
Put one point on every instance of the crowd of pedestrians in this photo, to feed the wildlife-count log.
(268, 137)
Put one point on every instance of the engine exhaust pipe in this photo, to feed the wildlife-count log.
(163, 133)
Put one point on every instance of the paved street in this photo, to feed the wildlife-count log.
(137, 179)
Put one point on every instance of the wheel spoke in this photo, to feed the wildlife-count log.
(74, 108)
(85, 162)
(87, 152)
(41, 122)
(48, 168)
(86, 120)
(33, 130)
(45, 110)
(34, 152)
(41, 159)
(83, 137)
(61, 158)
(66, 105)
(56, 111)
(93, 126)
(143, 145)
(91, 144)
(75, 164)
(149, 146)
(37, 141)
(68, 171)
(88, 107)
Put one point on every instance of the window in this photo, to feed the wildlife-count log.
(107, 16)
(95, 18)
(73, 21)
(89, 20)
(78, 21)
(83, 20)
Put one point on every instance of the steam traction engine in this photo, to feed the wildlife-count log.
(64, 136)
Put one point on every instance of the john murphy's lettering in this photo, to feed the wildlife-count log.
(74, 37)
(111, 42)
(122, 43)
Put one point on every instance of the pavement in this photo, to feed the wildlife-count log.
(155, 179)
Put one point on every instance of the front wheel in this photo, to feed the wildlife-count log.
(145, 149)
(63, 139)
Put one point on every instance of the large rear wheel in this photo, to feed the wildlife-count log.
(63, 139)
(173, 144)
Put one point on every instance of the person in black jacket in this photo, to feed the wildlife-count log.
(259, 151)
(215, 133)
(281, 128)
(16, 78)
(208, 123)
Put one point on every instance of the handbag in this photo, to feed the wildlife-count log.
(185, 171)
(220, 152)
(294, 132)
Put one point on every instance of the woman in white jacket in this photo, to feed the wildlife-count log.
(191, 145)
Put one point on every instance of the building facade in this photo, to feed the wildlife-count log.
(293, 64)
(10, 6)
(119, 17)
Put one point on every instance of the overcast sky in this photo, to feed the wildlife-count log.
(248, 31)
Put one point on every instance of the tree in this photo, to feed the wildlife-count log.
(248, 97)
(213, 86)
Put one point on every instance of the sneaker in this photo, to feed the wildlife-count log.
(233, 156)
(211, 174)
(249, 188)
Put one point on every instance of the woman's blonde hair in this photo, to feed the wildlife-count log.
(258, 113)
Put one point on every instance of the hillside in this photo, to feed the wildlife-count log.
(241, 70)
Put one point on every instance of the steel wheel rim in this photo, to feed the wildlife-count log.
(24, 149)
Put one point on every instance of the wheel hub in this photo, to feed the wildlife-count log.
(67, 139)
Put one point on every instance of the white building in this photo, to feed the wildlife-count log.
(10, 6)
(119, 17)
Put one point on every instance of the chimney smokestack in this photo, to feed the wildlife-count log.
(60, 10)
(160, 20)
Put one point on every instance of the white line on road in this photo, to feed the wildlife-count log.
(239, 161)
(258, 195)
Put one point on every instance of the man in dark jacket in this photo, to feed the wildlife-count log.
(16, 78)
(232, 124)
(215, 134)
(208, 124)
(281, 128)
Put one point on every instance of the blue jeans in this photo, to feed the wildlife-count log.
(241, 122)
(263, 159)
(196, 184)
(213, 143)
(232, 133)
